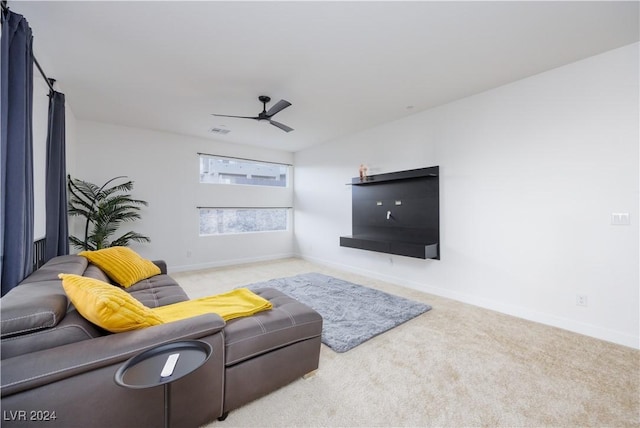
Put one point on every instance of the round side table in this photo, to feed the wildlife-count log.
(143, 370)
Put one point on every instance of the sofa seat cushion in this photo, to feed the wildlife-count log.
(288, 322)
(159, 290)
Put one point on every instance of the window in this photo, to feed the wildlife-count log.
(218, 221)
(223, 170)
(244, 209)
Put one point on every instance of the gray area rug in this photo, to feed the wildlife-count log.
(352, 314)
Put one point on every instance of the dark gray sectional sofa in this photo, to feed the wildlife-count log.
(58, 369)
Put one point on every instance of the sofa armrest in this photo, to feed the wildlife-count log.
(162, 265)
(43, 367)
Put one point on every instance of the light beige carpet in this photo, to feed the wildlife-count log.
(455, 366)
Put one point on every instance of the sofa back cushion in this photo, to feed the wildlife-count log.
(159, 290)
(50, 270)
(73, 328)
(94, 272)
(29, 309)
(38, 302)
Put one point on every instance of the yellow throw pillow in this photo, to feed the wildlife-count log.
(107, 306)
(122, 264)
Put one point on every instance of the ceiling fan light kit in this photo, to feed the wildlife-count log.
(266, 115)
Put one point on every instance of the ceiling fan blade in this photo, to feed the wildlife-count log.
(239, 117)
(285, 128)
(277, 107)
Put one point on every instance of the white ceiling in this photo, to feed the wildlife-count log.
(344, 66)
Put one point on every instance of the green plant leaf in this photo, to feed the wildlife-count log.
(104, 208)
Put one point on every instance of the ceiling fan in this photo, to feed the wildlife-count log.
(267, 115)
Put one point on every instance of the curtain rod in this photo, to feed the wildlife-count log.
(48, 81)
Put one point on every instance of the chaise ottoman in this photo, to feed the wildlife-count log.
(269, 349)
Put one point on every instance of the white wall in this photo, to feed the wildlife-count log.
(530, 174)
(165, 170)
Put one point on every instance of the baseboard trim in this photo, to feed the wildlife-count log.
(590, 330)
(228, 262)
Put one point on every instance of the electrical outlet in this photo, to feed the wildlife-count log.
(581, 300)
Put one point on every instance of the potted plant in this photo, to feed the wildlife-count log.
(104, 208)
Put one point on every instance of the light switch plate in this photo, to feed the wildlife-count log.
(620, 219)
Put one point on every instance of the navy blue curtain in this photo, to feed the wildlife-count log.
(57, 231)
(16, 168)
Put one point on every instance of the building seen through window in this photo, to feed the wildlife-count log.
(221, 170)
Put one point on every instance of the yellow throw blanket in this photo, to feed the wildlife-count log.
(237, 303)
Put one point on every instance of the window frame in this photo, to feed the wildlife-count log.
(288, 214)
(258, 163)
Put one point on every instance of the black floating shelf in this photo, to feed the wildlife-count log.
(401, 248)
(395, 176)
